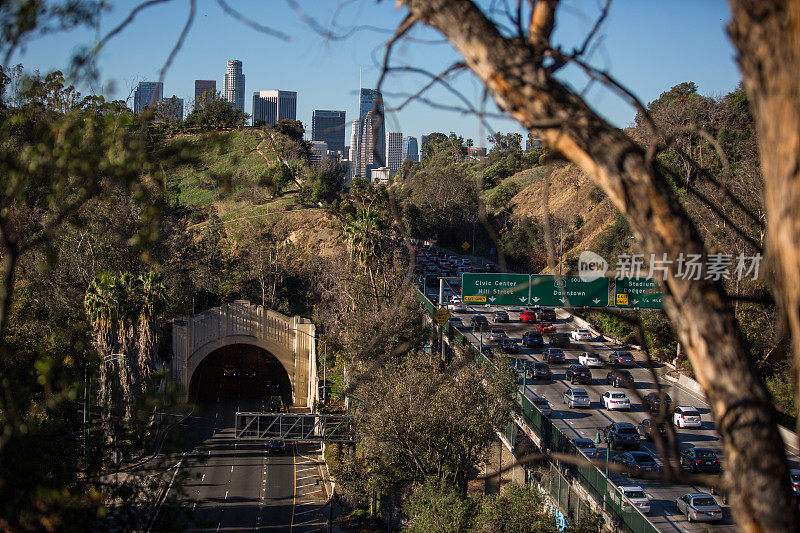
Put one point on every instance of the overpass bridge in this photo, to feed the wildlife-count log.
(288, 340)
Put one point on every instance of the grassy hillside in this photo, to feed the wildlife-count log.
(219, 172)
(575, 204)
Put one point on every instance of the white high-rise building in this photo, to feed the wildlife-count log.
(233, 84)
(271, 106)
(394, 151)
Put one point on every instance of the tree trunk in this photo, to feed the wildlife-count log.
(699, 310)
(767, 35)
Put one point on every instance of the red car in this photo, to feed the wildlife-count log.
(527, 316)
(546, 327)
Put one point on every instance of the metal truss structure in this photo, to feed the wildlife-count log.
(293, 427)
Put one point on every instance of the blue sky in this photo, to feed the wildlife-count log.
(647, 45)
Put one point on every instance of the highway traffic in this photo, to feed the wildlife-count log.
(583, 423)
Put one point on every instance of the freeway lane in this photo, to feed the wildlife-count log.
(236, 485)
(582, 422)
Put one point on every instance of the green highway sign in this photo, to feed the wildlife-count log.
(496, 289)
(644, 293)
(568, 291)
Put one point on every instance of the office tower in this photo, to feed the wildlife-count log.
(328, 126)
(318, 152)
(410, 150)
(271, 106)
(147, 94)
(380, 175)
(170, 109)
(368, 137)
(233, 84)
(204, 91)
(394, 151)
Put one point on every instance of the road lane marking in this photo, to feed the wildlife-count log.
(226, 495)
(203, 478)
(231, 468)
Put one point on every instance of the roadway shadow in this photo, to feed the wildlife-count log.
(565, 413)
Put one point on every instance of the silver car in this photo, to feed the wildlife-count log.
(577, 398)
(542, 404)
(699, 507)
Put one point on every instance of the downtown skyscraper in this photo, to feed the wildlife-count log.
(328, 126)
(147, 94)
(204, 92)
(368, 136)
(410, 149)
(271, 106)
(394, 151)
(233, 84)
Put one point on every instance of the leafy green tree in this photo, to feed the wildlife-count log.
(517, 509)
(216, 114)
(276, 177)
(504, 193)
(437, 506)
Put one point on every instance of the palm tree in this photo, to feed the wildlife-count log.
(152, 301)
(364, 239)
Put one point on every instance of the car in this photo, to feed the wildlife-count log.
(652, 402)
(457, 308)
(456, 299)
(250, 372)
(619, 378)
(545, 327)
(794, 477)
(577, 398)
(637, 463)
(701, 460)
(480, 322)
(636, 496)
(456, 322)
(228, 371)
(622, 435)
(587, 447)
(543, 405)
(276, 446)
(591, 360)
(581, 335)
(616, 399)
(499, 316)
(553, 355)
(496, 334)
(578, 373)
(533, 340)
(648, 427)
(560, 340)
(509, 345)
(687, 417)
(621, 359)
(527, 315)
(699, 506)
(546, 314)
(275, 404)
(541, 371)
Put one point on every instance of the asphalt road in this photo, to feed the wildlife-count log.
(237, 485)
(582, 422)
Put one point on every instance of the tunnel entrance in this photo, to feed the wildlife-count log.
(240, 371)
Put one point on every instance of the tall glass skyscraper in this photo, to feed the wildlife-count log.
(328, 126)
(147, 94)
(233, 84)
(410, 149)
(204, 91)
(369, 135)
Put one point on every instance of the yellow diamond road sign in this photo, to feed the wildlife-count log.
(441, 316)
(465, 246)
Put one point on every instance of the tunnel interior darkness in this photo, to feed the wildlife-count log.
(240, 371)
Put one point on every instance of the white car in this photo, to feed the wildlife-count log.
(456, 322)
(636, 496)
(456, 299)
(687, 417)
(591, 360)
(457, 308)
(616, 399)
(581, 335)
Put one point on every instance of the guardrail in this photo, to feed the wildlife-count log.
(552, 439)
